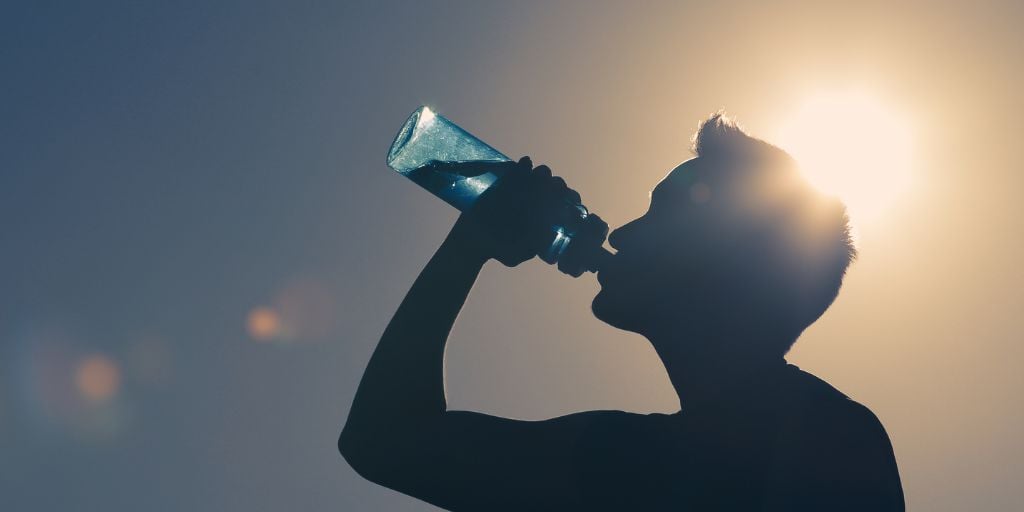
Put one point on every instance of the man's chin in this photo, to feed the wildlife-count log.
(611, 311)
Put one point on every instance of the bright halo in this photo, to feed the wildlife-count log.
(851, 146)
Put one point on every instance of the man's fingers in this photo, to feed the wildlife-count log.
(574, 197)
(560, 190)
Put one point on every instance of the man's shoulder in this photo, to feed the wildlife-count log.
(842, 445)
(811, 387)
(832, 414)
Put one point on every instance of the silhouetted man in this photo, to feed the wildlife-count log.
(736, 256)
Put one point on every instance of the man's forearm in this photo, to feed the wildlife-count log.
(403, 385)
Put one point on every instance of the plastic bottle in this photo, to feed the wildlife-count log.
(427, 141)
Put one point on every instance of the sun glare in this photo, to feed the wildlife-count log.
(851, 146)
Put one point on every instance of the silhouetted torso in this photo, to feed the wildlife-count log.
(789, 442)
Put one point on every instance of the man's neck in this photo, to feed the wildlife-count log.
(709, 376)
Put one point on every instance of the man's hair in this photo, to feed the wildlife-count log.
(803, 242)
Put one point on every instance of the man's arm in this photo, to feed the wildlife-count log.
(402, 389)
(399, 433)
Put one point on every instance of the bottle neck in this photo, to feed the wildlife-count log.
(578, 248)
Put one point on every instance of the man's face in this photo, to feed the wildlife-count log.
(665, 257)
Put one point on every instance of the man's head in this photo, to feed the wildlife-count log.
(736, 248)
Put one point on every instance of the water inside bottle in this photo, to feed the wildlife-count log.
(457, 183)
(440, 156)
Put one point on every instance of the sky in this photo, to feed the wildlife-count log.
(201, 242)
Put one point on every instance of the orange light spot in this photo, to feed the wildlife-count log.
(264, 324)
(98, 378)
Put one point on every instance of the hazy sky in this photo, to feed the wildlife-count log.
(166, 170)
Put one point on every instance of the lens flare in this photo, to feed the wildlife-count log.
(264, 324)
(97, 378)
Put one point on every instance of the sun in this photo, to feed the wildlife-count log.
(851, 145)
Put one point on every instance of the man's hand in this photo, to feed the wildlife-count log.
(512, 220)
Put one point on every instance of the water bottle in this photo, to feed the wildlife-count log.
(428, 141)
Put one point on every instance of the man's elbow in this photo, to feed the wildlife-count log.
(354, 448)
(368, 455)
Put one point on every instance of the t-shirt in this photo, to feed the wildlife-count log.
(789, 442)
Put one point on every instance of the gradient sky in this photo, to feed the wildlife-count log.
(165, 169)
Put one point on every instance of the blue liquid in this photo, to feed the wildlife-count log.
(434, 152)
(458, 187)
